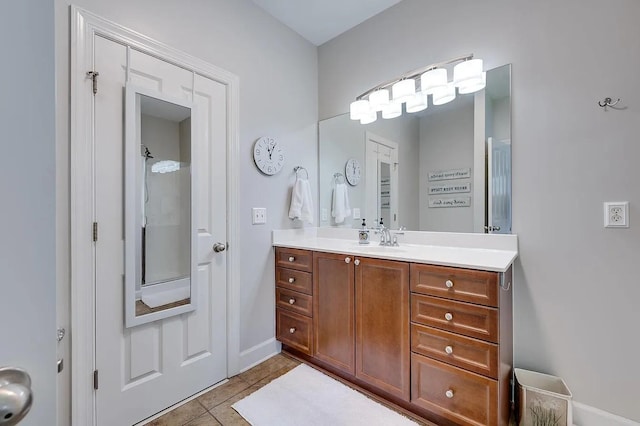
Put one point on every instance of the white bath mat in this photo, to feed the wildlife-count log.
(305, 396)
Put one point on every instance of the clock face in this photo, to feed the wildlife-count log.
(268, 155)
(352, 171)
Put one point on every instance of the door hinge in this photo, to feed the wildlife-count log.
(95, 379)
(95, 231)
(93, 75)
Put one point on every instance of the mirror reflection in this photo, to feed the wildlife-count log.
(447, 168)
(161, 264)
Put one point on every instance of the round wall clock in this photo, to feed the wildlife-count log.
(352, 171)
(268, 155)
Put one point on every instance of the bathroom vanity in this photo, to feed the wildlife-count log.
(426, 326)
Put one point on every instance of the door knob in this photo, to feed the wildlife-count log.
(218, 247)
(15, 395)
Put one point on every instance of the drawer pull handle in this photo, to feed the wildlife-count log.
(356, 262)
(291, 258)
(448, 283)
(448, 316)
(449, 393)
(291, 280)
(347, 260)
(292, 330)
(292, 301)
(448, 350)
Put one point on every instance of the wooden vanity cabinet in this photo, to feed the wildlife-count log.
(382, 325)
(462, 347)
(434, 340)
(294, 299)
(334, 308)
(361, 319)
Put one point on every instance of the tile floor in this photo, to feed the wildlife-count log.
(214, 407)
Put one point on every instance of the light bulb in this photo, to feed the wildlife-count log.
(379, 99)
(404, 90)
(370, 117)
(358, 109)
(433, 79)
(392, 110)
(467, 76)
(417, 103)
(445, 94)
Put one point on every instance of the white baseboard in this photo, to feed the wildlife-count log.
(585, 415)
(259, 353)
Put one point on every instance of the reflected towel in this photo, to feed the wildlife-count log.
(301, 202)
(340, 207)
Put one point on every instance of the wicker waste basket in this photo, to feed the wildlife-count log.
(542, 400)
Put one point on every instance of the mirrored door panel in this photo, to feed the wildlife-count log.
(160, 232)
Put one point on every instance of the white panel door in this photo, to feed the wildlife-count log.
(144, 369)
(28, 203)
(381, 186)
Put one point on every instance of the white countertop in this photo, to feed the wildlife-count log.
(488, 252)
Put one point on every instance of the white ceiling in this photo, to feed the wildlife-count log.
(321, 20)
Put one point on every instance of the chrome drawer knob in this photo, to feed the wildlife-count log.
(448, 350)
(449, 393)
(292, 330)
(448, 283)
(291, 258)
(448, 316)
(356, 262)
(347, 260)
(291, 280)
(292, 301)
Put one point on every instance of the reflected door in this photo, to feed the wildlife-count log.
(498, 186)
(381, 186)
(146, 368)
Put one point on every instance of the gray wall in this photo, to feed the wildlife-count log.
(278, 97)
(446, 142)
(576, 283)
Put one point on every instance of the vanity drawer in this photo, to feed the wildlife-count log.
(471, 320)
(294, 330)
(465, 285)
(461, 396)
(294, 301)
(472, 354)
(294, 280)
(301, 260)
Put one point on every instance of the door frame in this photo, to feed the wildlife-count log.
(84, 27)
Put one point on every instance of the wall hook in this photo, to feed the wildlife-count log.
(608, 102)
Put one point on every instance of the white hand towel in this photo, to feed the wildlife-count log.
(341, 208)
(301, 201)
(306, 213)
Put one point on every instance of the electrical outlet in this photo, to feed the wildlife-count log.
(259, 215)
(324, 215)
(616, 214)
(356, 213)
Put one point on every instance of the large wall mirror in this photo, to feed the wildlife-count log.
(160, 234)
(447, 168)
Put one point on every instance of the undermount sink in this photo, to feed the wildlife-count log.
(379, 249)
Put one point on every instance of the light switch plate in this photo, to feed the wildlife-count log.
(259, 215)
(616, 214)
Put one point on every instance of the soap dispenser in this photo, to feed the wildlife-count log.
(363, 234)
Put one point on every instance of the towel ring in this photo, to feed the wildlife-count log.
(337, 177)
(297, 169)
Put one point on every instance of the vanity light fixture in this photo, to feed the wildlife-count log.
(468, 77)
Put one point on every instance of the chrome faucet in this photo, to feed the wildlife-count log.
(385, 236)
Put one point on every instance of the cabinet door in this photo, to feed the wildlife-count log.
(333, 310)
(382, 325)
